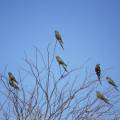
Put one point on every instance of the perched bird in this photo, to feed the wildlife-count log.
(102, 97)
(111, 82)
(12, 80)
(98, 72)
(61, 62)
(59, 38)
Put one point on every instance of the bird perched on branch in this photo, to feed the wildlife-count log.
(59, 38)
(111, 82)
(102, 97)
(61, 62)
(12, 80)
(98, 72)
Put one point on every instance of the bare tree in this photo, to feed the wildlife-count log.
(48, 92)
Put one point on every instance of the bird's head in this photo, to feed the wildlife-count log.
(57, 57)
(56, 31)
(107, 78)
(97, 64)
(98, 93)
(9, 73)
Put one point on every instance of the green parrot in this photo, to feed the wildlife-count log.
(61, 62)
(12, 81)
(98, 72)
(111, 82)
(102, 97)
(59, 38)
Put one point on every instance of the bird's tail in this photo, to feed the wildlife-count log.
(65, 65)
(62, 46)
(100, 81)
(107, 101)
(65, 68)
(99, 77)
(16, 87)
(117, 89)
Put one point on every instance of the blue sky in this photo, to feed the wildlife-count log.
(90, 29)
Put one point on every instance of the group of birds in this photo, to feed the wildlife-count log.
(11, 78)
(97, 70)
(58, 58)
(109, 80)
(14, 83)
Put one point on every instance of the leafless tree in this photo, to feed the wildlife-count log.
(48, 92)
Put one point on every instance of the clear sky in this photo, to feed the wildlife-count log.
(90, 29)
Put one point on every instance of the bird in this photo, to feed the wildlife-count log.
(12, 81)
(102, 97)
(61, 62)
(98, 72)
(59, 38)
(111, 82)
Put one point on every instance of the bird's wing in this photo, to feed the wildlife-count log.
(97, 69)
(65, 68)
(112, 82)
(60, 61)
(13, 84)
(13, 79)
(61, 44)
(105, 99)
(58, 36)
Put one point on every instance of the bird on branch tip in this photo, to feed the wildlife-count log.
(61, 62)
(102, 97)
(12, 81)
(59, 38)
(98, 72)
(111, 82)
